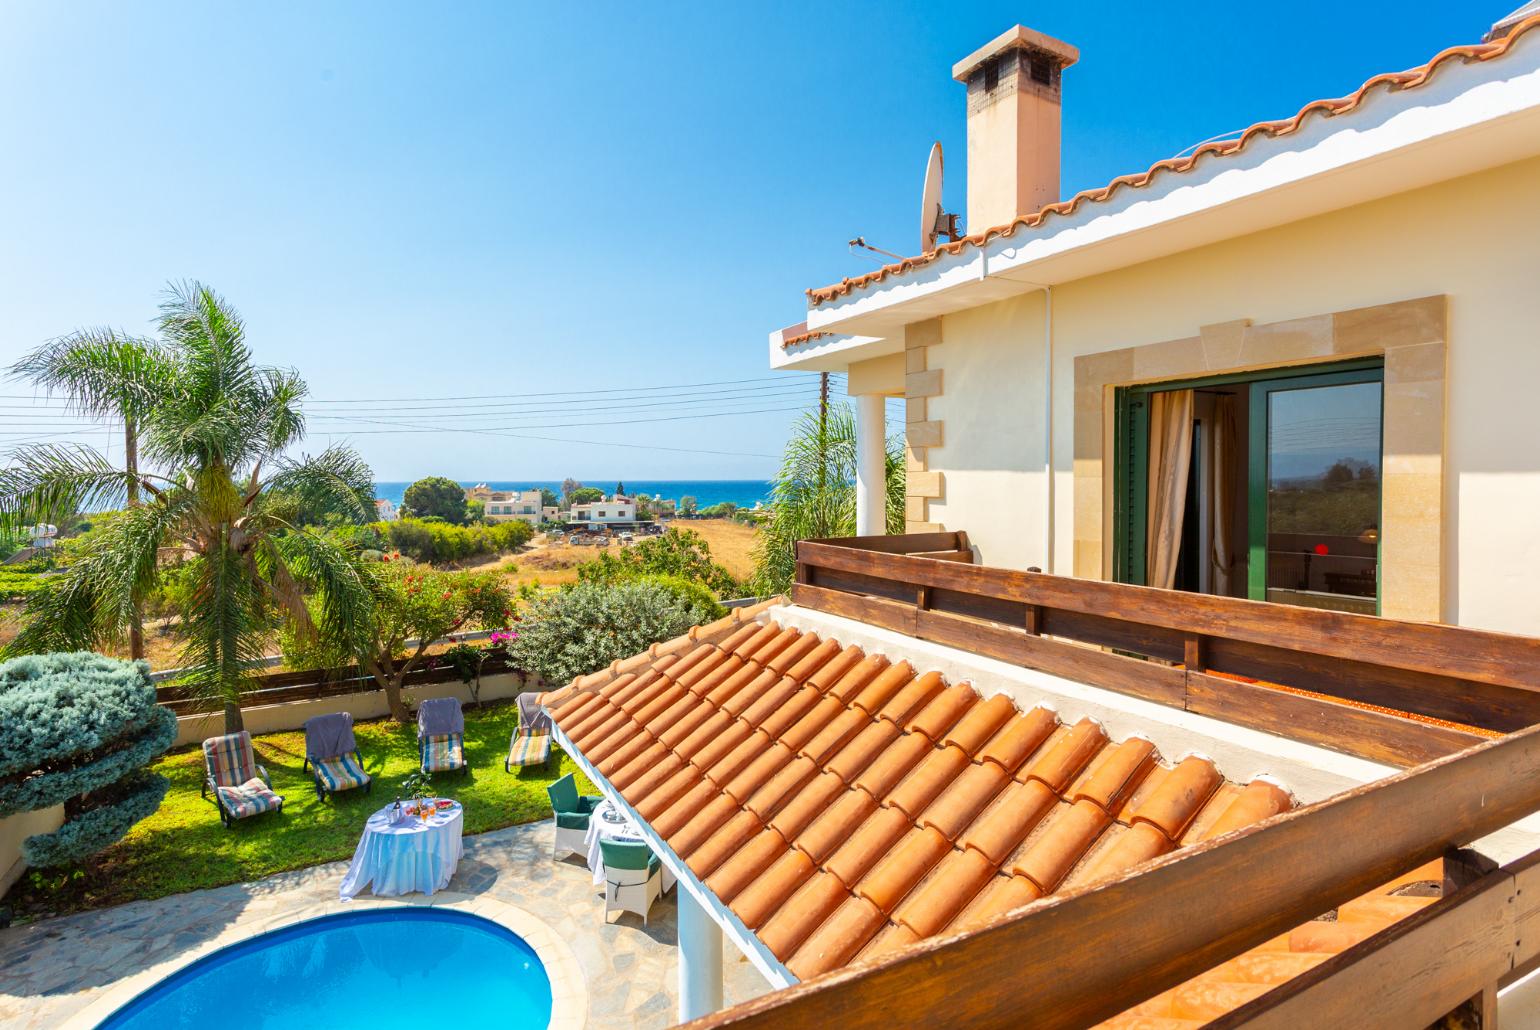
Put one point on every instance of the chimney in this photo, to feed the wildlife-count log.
(1013, 125)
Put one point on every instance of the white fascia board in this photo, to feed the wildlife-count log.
(1466, 118)
(832, 353)
(775, 973)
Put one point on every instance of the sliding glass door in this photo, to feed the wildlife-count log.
(1315, 508)
(1259, 485)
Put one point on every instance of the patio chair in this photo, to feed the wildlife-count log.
(441, 735)
(531, 743)
(572, 814)
(331, 755)
(633, 877)
(240, 785)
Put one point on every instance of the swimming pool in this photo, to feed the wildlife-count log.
(381, 968)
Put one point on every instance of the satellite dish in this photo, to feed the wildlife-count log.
(933, 220)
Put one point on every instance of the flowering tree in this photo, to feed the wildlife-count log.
(414, 605)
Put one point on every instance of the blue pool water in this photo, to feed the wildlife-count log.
(380, 970)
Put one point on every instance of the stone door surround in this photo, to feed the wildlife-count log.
(1411, 337)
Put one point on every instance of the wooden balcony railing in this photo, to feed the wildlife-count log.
(1218, 656)
(1074, 959)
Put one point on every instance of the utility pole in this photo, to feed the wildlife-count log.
(823, 428)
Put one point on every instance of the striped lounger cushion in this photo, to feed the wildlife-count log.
(444, 752)
(342, 773)
(251, 798)
(229, 759)
(530, 749)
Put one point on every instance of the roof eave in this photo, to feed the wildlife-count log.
(1467, 118)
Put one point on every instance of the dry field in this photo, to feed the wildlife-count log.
(732, 544)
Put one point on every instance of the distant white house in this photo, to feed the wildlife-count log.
(385, 510)
(617, 510)
(507, 505)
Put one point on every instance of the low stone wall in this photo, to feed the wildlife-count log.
(18, 828)
(366, 704)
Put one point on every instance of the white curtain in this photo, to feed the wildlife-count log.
(1171, 414)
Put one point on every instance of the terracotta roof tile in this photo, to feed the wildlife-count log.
(746, 864)
(837, 667)
(843, 803)
(943, 711)
(964, 798)
(1066, 752)
(1112, 777)
(809, 905)
(862, 749)
(855, 680)
(980, 724)
(824, 835)
(954, 882)
(928, 779)
(839, 938)
(1006, 823)
(888, 768)
(1256, 802)
(1179, 797)
(869, 842)
(769, 891)
(909, 860)
(811, 801)
(912, 698)
(1019, 738)
(882, 687)
(1060, 841)
(1398, 81)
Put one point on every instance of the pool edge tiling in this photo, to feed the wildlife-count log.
(569, 990)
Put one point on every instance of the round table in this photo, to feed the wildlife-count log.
(603, 825)
(405, 856)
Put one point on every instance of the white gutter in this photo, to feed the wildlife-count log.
(764, 960)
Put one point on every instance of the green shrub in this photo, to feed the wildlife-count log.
(139, 796)
(434, 541)
(77, 729)
(679, 552)
(589, 625)
(690, 592)
(16, 585)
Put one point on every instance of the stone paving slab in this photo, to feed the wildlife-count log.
(54, 968)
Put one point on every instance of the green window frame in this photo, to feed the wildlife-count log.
(1131, 428)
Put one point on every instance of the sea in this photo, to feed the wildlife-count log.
(745, 493)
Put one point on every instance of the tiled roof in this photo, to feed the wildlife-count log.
(1393, 80)
(843, 805)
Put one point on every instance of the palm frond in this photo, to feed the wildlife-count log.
(339, 578)
(101, 373)
(50, 482)
(336, 481)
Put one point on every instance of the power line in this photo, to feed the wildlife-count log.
(550, 393)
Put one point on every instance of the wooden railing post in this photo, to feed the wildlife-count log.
(1195, 652)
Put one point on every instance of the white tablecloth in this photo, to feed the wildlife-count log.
(412, 855)
(600, 828)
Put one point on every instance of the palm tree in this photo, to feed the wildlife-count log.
(223, 500)
(103, 374)
(814, 495)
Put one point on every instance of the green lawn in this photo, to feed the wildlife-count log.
(184, 847)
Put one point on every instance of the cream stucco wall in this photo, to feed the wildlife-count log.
(1475, 240)
(14, 830)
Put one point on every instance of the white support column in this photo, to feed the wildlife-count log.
(871, 466)
(700, 959)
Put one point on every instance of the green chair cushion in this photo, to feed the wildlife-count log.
(572, 820)
(626, 854)
(588, 802)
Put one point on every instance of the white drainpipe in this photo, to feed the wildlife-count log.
(1048, 427)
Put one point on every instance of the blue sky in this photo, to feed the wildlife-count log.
(422, 201)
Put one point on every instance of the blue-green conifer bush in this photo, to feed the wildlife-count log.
(78, 729)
